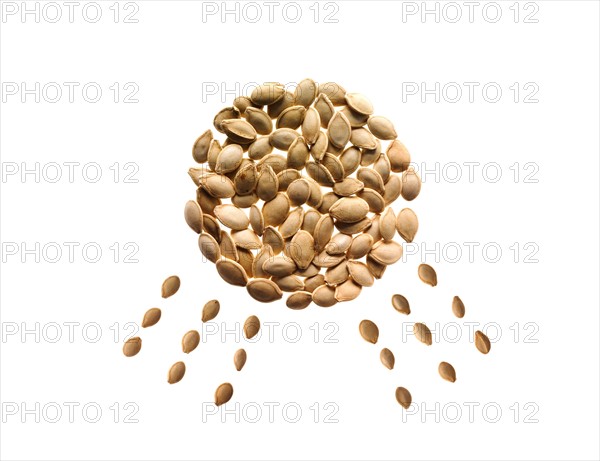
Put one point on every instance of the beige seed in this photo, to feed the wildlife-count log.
(257, 221)
(193, 216)
(229, 159)
(151, 317)
(265, 253)
(267, 184)
(427, 274)
(386, 252)
(382, 166)
(170, 286)
(447, 371)
(335, 92)
(407, 224)
(227, 113)
(302, 251)
(373, 230)
(324, 296)
(239, 131)
(279, 266)
(190, 341)
(132, 346)
(305, 92)
(323, 232)
(422, 333)
(211, 225)
(411, 184)
(314, 282)
(289, 283)
(267, 94)
(311, 218)
(356, 120)
(251, 326)
(209, 247)
(349, 209)
(292, 117)
(336, 275)
(360, 273)
(359, 103)
(246, 260)
(310, 271)
(299, 300)
(264, 290)
(207, 202)
(382, 128)
(334, 166)
(297, 154)
(239, 359)
(347, 291)
(245, 179)
(350, 159)
(371, 179)
(370, 156)
(246, 239)
(360, 246)
(348, 187)
(325, 109)
(482, 342)
(376, 268)
(241, 103)
(373, 198)
(272, 237)
(292, 223)
(387, 358)
(298, 192)
(369, 331)
(259, 120)
(223, 394)
(393, 189)
(176, 372)
(320, 174)
(260, 148)
(339, 130)
(232, 272)
(201, 146)
(361, 137)
(219, 186)
(276, 210)
(399, 156)
(328, 200)
(210, 310)
(458, 307)
(276, 108)
(338, 244)
(324, 259)
(232, 217)
(311, 125)
(401, 304)
(282, 138)
(213, 154)
(387, 224)
(403, 397)
(319, 148)
(227, 247)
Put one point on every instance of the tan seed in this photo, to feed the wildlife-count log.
(349, 209)
(299, 300)
(257, 221)
(347, 291)
(403, 397)
(246, 239)
(193, 216)
(311, 125)
(369, 331)
(320, 174)
(259, 120)
(370, 156)
(267, 94)
(393, 189)
(422, 333)
(276, 108)
(292, 117)
(264, 290)
(289, 283)
(246, 260)
(382, 166)
(310, 271)
(227, 113)
(325, 109)
(303, 251)
(210, 310)
(427, 274)
(219, 186)
(359, 103)
(239, 359)
(282, 138)
(458, 307)
(314, 282)
(211, 225)
(232, 217)
(328, 200)
(213, 154)
(386, 252)
(251, 326)
(376, 268)
(324, 259)
(356, 120)
(292, 223)
(190, 341)
(411, 184)
(407, 224)
(276, 210)
(297, 154)
(360, 246)
(337, 275)
(361, 137)
(176, 372)
(201, 146)
(334, 166)
(209, 247)
(348, 187)
(151, 317)
(207, 202)
(338, 244)
(387, 224)
(305, 92)
(279, 266)
(324, 296)
(371, 179)
(339, 130)
(350, 159)
(399, 156)
(382, 128)
(170, 286)
(447, 371)
(401, 304)
(272, 237)
(229, 159)
(245, 179)
(260, 148)
(360, 273)
(387, 358)
(319, 148)
(265, 253)
(482, 342)
(239, 131)
(298, 192)
(223, 394)
(132, 346)
(323, 232)
(373, 231)
(232, 272)
(336, 93)
(241, 103)
(267, 184)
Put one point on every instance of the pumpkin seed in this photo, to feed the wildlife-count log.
(229, 159)
(209, 247)
(213, 153)
(338, 244)
(289, 283)
(292, 223)
(349, 209)
(259, 120)
(232, 217)
(311, 125)
(132, 346)
(458, 307)
(263, 290)
(272, 237)
(350, 159)
(239, 359)
(348, 187)
(324, 259)
(312, 283)
(265, 253)
(305, 92)
(427, 274)
(334, 166)
(323, 232)
(211, 225)
(382, 128)
(347, 291)
(223, 394)
(276, 108)
(286, 177)
(282, 138)
(176, 372)
(246, 239)
(369, 331)
(251, 326)
(299, 300)
(325, 109)
(336, 93)
(227, 113)
(201, 146)
(302, 249)
(239, 131)
(336, 275)
(339, 130)
(210, 310)
(319, 173)
(387, 224)
(403, 397)
(399, 156)
(401, 304)
(279, 266)
(267, 184)
(311, 218)
(422, 333)
(411, 184)
(376, 268)
(244, 201)
(232, 272)
(324, 296)
(219, 186)
(170, 286)
(292, 117)
(193, 216)
(297, 154)
(227, 247)
(373, 230)
(370, 156)
(371, 179)
(298, 192)
(257, 221)
(276, 210)
(387, 358)
(386, 252)
(360, 273)
(267, 94)
(260, 148)
(207, 202)
(356, 120)
(241, 103)
(407, 224)
(382, 166)
(275, 161)
(393, 188)
(360, 246)
(482, 342)
(246, 260)
(310, 271)
(447, 371)
(328, 200)
(353, 227)
(190, 341)
(319, 148)
(151, 317)
(245, 179)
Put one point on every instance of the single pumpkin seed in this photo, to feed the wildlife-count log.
(279, 266)
(275, 161)
(353, 227)
(170, 286)
(201, 146)
(209, 247)
(190, 341)
(276, 210)
(198, 175)
(276, 108)
(482, 342)
(312, 283)
(298, 192)
(257, 221)
(292, 117)
(305, 92)
(360, 273)
(286, 177)
(244, 201)
(401, 304)
(382, 128)
(316, 194)
(336, 93)
(319, 148)
(371, 179)
(338, 244)
(211, 225)
(239, 131)
(193, 216)
(246, 260)
(387, 358)
(259, 120)
(132, 346)
(382, 166)
(223, 394)
(311, 218)
(210, 310)
(328, 200)
(350, 159)
(386, 252)
(360, 246)
(339, 130)
(376, 268)
(369, 331)
(387, 224)
(458, 307)
(267, 184)
(232, 217)
(299, 300)
(427, 274)
(399, 156)
(403, 397)
(349, 209)
(265, 253)
(320, 174)
(370, 156)
(311, 125)
(219, 186)
(246, 239)
(359, 103)
(297, 154)
(310, 271)
(207, 202)
(347, 291)
(324, 259)
(263, 290)
(373, 230)
(393, 188)
(213, 154)
(447, 371)
(282, 138)
(336, 275)
(228, 247)
(151, 317)
(272, 237)
(176, 372)
(227, 113)
(239, 359)
(260, 148)
(267, 94)
(292, 223)
(241, 103)
(422, 333)
(232, 272)
(323, 232)
(356, 120)
(407, 224)
(302, 251)
(324, 296)
(289, 283)
(229, 159)
(348, 187)
(251, 326)
(325, 109)
(411, 184)
(245, 179)
(335, 167)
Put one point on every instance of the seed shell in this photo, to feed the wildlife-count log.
(387, 358)
(210, 310)
(251, 326)
(482, 342)
(239, 359)
(132, 346)
(170, 286)
(427, 274)
(447, 371)
(369, 331)
(190, 341)
(223, 394)
(151, 317)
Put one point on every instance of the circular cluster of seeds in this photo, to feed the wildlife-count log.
(305, 165)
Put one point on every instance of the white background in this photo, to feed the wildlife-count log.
(170, 54)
